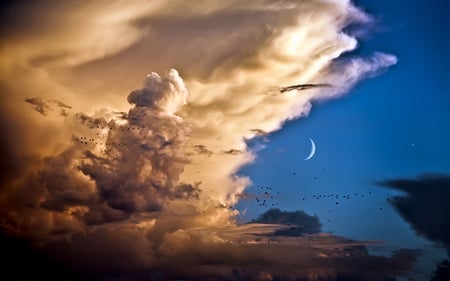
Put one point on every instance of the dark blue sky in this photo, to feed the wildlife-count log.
(395, 125)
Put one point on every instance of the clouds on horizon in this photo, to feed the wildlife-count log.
(243, 252)
(134, 188)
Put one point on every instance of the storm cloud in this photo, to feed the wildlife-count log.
(39, 105)
(299, 222)
(120, 187)
(425, 204)
(45, 107)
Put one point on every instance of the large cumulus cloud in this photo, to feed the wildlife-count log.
(114, 168)
(148, 189)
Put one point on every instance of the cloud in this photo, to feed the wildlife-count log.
(61, 104)
(45, 107)
(442, 272)
(70, 20)
(209, 253)
(120, 186)
(425, 205)
(232, 151)
(203, 150)
(299, 222)
(251, 252)
(114, 168)
(39, 105)
(166, 94)
(146, 155)
(258, 132)
(302, 87)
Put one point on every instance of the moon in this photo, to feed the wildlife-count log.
(313, 150)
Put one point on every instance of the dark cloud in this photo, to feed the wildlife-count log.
(442, 272)
(121, 114)
(229, 253)
(301, 87)
(425, 205)
(203, 150)
(64, 113)
(92, 122)
(187, 191)
(61, 104)
(233, 151)
(39, 105)
(44, 107)
(103, 213)
(63, 187)
(246, 253)
(298, 222)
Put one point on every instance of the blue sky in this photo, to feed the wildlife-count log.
(394, 125)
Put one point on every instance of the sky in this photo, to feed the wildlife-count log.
(156, 140)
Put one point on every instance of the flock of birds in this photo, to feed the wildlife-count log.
(336, 197)
(100, 132)
(265, 196)
(86, 141)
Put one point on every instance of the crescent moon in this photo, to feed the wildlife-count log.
(313, 150)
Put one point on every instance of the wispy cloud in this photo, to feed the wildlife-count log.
(44, 107)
